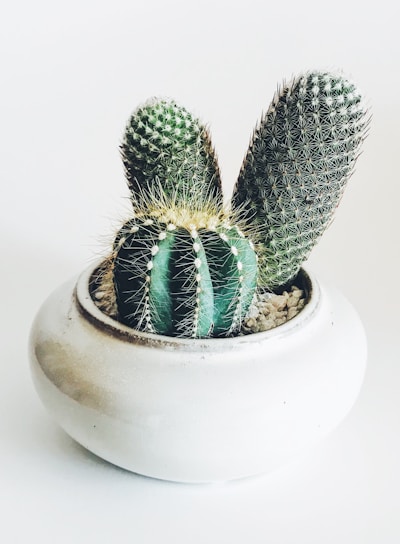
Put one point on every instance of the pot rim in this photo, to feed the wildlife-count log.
(90, 311)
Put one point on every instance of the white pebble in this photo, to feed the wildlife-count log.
(253, 312)
(279, 301)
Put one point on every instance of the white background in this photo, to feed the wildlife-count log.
(70, 75)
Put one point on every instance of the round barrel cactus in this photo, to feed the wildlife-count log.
(183, 281)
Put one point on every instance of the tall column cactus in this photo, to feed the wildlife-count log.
(165, 145)
(189, 281)
(299, 160)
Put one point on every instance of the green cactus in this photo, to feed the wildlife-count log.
(164, 143)
(299, 160)
(182, 265)
(195, 280)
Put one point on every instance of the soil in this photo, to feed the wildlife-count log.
(270, 310)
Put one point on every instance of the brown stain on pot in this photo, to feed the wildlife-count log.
(64, 369)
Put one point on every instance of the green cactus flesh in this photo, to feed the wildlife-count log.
(301, 155)
(163, 143)
(180, 281)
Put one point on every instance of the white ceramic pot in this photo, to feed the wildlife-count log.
(196, 410)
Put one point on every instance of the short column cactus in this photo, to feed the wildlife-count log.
(164, 143)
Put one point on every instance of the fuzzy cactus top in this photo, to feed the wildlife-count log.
(164, 143)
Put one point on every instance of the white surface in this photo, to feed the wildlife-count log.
(71, 72)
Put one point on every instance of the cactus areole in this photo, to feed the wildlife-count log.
(184, 266)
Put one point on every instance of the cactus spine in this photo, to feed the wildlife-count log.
(165, 143)
(299, 160)
(183, 281)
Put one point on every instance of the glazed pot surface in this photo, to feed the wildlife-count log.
(196, 410)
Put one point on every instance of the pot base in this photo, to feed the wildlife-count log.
(196, 410)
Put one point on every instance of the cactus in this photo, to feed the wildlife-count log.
(183, 280)
(299, 160)
(181, 266)
(164, 143)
